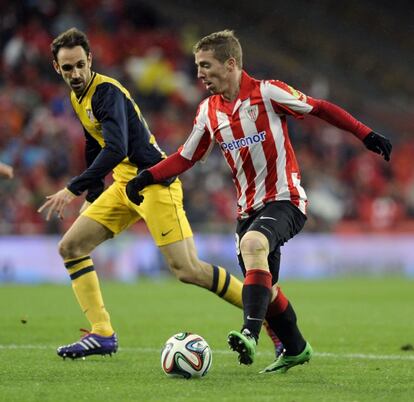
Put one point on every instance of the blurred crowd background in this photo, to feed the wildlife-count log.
(358, 54)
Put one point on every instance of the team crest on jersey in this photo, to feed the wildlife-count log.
(252, 112)
(297, 94)
(90, 115)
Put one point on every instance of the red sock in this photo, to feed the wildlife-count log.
(278, 305)
(282, 320)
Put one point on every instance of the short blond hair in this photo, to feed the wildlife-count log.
(224, 44)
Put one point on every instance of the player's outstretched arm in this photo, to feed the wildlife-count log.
(340, 118)
(379, 144)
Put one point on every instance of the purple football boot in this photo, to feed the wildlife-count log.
(90, 344)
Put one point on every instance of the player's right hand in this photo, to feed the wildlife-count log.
(138, 183)
(56, 203)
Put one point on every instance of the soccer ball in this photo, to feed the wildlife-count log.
(186, 355)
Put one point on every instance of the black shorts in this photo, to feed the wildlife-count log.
(279, 221)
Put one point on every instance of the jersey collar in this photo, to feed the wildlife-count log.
(247, 85)
(87, 88)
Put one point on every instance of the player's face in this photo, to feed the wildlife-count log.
(74, 65)
(214, 74)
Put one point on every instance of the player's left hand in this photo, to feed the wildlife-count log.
(379, 144)
(138, 183)
(57, 203)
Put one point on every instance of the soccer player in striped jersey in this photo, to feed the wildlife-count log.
(119, 140)
(248, 119)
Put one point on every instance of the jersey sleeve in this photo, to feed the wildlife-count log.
(200, 141)
(338, 117)
(109, 108)
(172, 166)
(286, 100)
(289, 101)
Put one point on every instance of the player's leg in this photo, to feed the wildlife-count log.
(107, 216)
(279, 222)
(254, 248)
(184, 263)
(167, 222)
(281, 318)
(241, 230)
(75, 247)
(256, 294)
(280, 314)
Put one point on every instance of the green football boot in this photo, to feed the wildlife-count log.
(244, 344)
(284, 362)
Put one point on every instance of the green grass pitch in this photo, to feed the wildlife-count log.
(356, 327)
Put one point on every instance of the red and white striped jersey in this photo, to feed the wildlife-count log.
(253, 137)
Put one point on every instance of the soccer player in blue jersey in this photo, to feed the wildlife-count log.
(118, 140)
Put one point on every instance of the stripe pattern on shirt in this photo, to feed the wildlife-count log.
(254, 141)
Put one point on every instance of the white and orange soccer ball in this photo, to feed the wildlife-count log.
(186, 355)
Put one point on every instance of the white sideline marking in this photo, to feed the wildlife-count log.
(361, 356)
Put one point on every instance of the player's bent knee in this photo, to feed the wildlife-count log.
(70, 249)
(254, 243)
(63, 249)
(254, 248)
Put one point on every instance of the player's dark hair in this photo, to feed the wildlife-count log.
(224, 44)
(69, 39)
